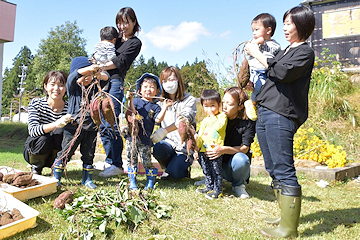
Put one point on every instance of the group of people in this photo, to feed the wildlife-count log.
(277, 108)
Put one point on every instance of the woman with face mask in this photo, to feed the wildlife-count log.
(169, 150)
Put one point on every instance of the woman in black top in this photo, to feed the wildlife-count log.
(282, 108)
(127, 49)
(240, 132)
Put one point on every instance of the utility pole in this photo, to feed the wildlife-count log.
(21, 88)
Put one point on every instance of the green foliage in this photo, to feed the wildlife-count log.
(11, 80)
(328, 87)
(56, 51)
(96, 210)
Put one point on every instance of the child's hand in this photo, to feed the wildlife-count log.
(129, 95)
(196, 155)
(84, 80)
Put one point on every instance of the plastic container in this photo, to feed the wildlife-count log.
(47, 186)
(8, 202)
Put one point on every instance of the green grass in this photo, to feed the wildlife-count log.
(327, 213)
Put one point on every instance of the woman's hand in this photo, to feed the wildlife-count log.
(214, 152)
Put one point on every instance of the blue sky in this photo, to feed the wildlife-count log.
(172, 31)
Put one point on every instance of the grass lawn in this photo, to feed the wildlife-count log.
(327, 213)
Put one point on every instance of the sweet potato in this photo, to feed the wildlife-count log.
(8, 178)
(1, 176)
(95, 106)
(16, 214)
(63, 198)
(182, 131)
(22, 180)
(18, 174)
(244, 74)
(6, 218)
(107, 109)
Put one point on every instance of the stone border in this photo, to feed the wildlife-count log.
(339, 174)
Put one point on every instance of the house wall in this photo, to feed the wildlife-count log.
(337, 28)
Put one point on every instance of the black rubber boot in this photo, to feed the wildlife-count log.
(37, 162)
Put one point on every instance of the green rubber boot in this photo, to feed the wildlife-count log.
(290, 213)
(276, 186)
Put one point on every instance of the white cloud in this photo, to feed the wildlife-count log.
(225, 35)
(176, 38)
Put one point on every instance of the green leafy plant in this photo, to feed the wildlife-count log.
(121, 206)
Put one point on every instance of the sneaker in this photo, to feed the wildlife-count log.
(250, 110)
(199, 183)
(203, 190)
(164, 176)
(111, 171)
(213, 195)
(100, 165)
(240, 191)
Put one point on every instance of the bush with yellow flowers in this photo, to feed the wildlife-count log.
(307, 145)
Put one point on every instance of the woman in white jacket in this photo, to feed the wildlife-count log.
(169, 151)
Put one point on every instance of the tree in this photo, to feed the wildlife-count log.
(11, 79)
(58, 49)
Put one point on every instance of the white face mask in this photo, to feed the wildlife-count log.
(170, 86)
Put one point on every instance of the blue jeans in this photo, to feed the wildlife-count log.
(276, 134)
(237, 169)
(175, 164)
(112, 141)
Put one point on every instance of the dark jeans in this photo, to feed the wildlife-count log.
(112, 141)
(43, 145)
(276, 134)
(212, 171)
(86, 140)
(176, 164)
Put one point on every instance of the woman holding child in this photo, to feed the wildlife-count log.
(240, 132)
(127, 49)
(282, 109)
(169, 150)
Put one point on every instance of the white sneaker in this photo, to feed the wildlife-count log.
(240, 191)
(111, 171)
(199, 183)
(101, 165)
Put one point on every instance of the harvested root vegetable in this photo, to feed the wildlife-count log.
(95, 106)
(63, 198)
(133, 124)
(16, 214)
(1, 176)
(182, 130)
(108, 111)
(244, 74)
(6, 218)
(8, 178)
(22, 180)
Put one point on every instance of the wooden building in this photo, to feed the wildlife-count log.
(337, 28)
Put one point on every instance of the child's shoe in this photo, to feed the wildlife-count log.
(203, 190)
(213, 195)
(151, 178)
(132, 172)
(250, 110)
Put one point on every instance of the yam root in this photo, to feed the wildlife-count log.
(95, 106)
(1, 176)
(63, 198)
(20, 174)
(182, 131)
(133, 124)
(6, 218)
(244, 74)
(187, 135)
